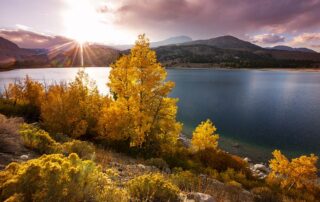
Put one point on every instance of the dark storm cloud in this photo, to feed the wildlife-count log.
(216, 17)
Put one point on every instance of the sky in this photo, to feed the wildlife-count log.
(264, 22)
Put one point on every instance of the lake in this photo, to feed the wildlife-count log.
(255, 111)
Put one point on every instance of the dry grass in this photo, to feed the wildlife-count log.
(11, 145)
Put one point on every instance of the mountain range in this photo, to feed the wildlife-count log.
(181, 51)
(229, 51)
(169, 41)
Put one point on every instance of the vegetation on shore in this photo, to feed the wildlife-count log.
(138, 119)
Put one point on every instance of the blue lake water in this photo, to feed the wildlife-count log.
(255, 111)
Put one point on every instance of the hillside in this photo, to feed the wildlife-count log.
(11, 54)
(224, 51)
(226, 42)
(228, 51)
(67, 55)
(288, 48)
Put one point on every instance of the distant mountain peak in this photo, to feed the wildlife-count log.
(226, 42)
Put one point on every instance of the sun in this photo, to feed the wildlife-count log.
(84, 23)
(81, 21)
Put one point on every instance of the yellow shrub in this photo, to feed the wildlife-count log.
(85, 150)
(37, 139)
(152, 187)
(40, 141)
(186, 180)
(57, 178)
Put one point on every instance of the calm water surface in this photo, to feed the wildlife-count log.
(255, 111)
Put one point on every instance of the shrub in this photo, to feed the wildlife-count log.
(23, 98)
(186, 180)
(221, 160)
(72, 109)
(85, 150)
(157, 162)
(40, 141)
(265, 194)
(57, 178)
(152, 187)
(10, 108)
(37, 139)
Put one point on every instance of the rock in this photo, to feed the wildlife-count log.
(199, 197)
(167, 170)
(185, 141)
(24, 157)
(261, 167)
(140, 166)
(248, 160)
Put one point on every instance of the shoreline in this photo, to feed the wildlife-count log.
(191, 68)
(257, 69)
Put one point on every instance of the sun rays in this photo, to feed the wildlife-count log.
(71, 54)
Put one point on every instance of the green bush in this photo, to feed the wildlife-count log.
(57, 178)
(152, 187)
(37, 139)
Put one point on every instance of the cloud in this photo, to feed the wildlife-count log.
(268, 38)
(205, 18)
(306, 38)
(23, 27)
(29, 39)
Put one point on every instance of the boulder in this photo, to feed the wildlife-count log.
(199, 197)
(261, 167)
(24, 157)
(246, 159)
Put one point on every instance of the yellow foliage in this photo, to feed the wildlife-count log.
(72, 109)
(40, 141)
(57, 178)
(26, 92)
(37, 139)
(299, 173)
(187, 181)
(141, 111)
(152, 187)
(204, 136)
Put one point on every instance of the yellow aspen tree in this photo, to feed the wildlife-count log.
(299, 173)
(141, 111)
(204, 136)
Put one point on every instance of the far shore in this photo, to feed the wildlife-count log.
(192, 67)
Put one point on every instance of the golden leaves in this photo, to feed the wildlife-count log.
(204, 136)
(298, 173)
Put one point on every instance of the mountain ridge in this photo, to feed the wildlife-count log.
(288, 48)
(224, 51)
